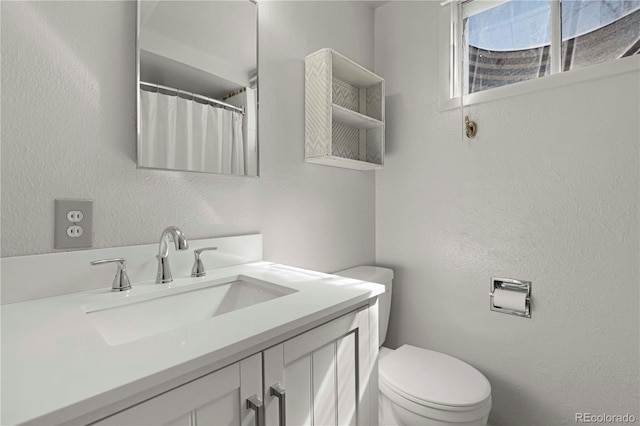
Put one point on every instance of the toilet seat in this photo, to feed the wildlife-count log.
(444, 414)
(434, 385)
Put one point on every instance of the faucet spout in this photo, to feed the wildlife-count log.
(172, 233)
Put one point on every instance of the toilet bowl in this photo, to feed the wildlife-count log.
(419, 386)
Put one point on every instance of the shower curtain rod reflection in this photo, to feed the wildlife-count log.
(194, 95)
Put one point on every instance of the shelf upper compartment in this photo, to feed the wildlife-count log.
(352, 118)
(352, 73)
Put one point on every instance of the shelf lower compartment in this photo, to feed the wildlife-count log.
(345, 163)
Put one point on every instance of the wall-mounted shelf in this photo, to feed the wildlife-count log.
(344, 113)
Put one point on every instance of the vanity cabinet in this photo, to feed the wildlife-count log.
(322, 372)
(344, 113)
(322, 376)
(218, 398)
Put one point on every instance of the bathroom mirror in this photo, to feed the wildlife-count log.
(197, 91)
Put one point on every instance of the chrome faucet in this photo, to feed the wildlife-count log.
(172, 233)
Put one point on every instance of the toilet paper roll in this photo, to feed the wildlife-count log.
(509, 299)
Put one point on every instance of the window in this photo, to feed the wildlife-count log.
(509, 41)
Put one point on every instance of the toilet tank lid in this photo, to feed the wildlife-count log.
(430, 377)
(373, 274)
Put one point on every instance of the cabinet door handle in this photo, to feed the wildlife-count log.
(255, 403)
(279, 392)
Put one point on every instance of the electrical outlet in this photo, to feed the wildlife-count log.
(75, 231)
(73, 226)
(75, 216)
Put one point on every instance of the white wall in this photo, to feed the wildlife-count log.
(549, 192)
(68, 131)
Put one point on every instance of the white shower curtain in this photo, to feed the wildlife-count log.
(182, 134)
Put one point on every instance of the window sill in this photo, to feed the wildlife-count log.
(594, 72)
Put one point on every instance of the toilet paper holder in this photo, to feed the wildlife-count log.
(511, 285)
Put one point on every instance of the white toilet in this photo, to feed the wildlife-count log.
(419, 386)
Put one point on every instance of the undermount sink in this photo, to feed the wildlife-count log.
(132, 318)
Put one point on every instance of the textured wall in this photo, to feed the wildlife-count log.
(548, 191)
(68, 131)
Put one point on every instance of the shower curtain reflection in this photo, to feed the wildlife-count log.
(183, 134)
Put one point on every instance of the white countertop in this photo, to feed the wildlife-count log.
(56, 366)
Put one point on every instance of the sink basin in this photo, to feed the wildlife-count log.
(132, 318)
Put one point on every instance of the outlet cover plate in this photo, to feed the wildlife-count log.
(61, 239)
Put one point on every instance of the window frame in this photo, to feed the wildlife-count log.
(450, 61)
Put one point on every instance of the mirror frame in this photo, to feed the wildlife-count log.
(257, 88)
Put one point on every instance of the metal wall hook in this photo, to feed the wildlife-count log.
(470, 127)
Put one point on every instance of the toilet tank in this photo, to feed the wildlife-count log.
(376, 275)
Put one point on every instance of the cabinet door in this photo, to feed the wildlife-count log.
(219, 398)
(320, 372)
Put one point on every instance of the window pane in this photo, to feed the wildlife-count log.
(506, 44)
(595, 31)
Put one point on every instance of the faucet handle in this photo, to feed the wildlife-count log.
(198, 267)
(121, 281)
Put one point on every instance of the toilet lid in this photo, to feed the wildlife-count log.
(433, 378)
